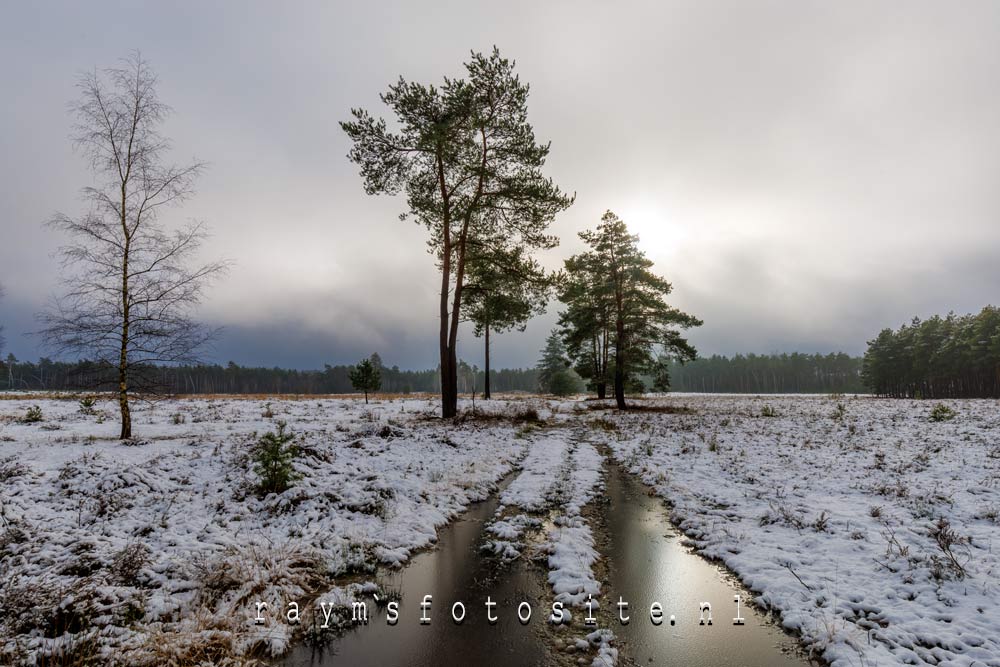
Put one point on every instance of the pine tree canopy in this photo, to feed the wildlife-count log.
(616, 312)
(506, 288)
(941, 357)
(367, 376)
(466, 157)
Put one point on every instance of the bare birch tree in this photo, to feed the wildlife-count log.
(130, 287)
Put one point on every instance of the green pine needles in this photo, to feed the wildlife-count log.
(366, 376)
(272, 458)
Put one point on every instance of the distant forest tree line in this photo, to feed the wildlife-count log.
(794, 373)
(752, 373)
(46, 374)
(940, 357)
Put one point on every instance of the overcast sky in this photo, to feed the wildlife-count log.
(805, 173)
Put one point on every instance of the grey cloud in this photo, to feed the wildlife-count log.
(805, 173)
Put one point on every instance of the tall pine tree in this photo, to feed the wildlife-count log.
(467, 159)
(614, 300)
(586, 322)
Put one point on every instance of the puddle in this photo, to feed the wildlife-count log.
(452, 571)
(649, 564)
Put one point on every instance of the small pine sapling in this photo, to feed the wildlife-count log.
(273, 456)
(366, 377)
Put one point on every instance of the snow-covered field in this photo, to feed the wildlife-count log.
(154, 552)
(864, 525)
(867, 526)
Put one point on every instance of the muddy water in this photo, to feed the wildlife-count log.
(649, 564)
(452, 571)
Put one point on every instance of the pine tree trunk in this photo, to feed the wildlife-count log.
(449, 380)
(449, 383)
(620, 365)
(449, 394)
(602, 390)
(449, 373)
(620, 387)
(486, 381)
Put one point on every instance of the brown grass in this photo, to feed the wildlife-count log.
(640, 405)
(521, 415)
(664, 409)
(210, 641)
(77, 395)
(53, 395)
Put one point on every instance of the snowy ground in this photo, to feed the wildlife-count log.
(865, 525)
(153, 551)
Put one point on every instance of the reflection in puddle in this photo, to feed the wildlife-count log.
(648, 564)
(453, 571)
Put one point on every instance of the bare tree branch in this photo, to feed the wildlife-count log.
(129, 289)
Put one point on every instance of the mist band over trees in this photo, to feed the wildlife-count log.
(795, 373)
(79, 376)
(129, 290)
(757, 374)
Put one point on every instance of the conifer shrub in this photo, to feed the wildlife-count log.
(32, 416)
(272, 457)
(942, 413)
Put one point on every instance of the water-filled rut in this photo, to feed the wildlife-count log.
(645, 564)
(453, 571)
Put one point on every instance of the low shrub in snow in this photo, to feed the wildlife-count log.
(10, 468)
(87, 404)
(129, 562)
(948, 563)
(32, 416)
(272, 456)
(942, 413)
